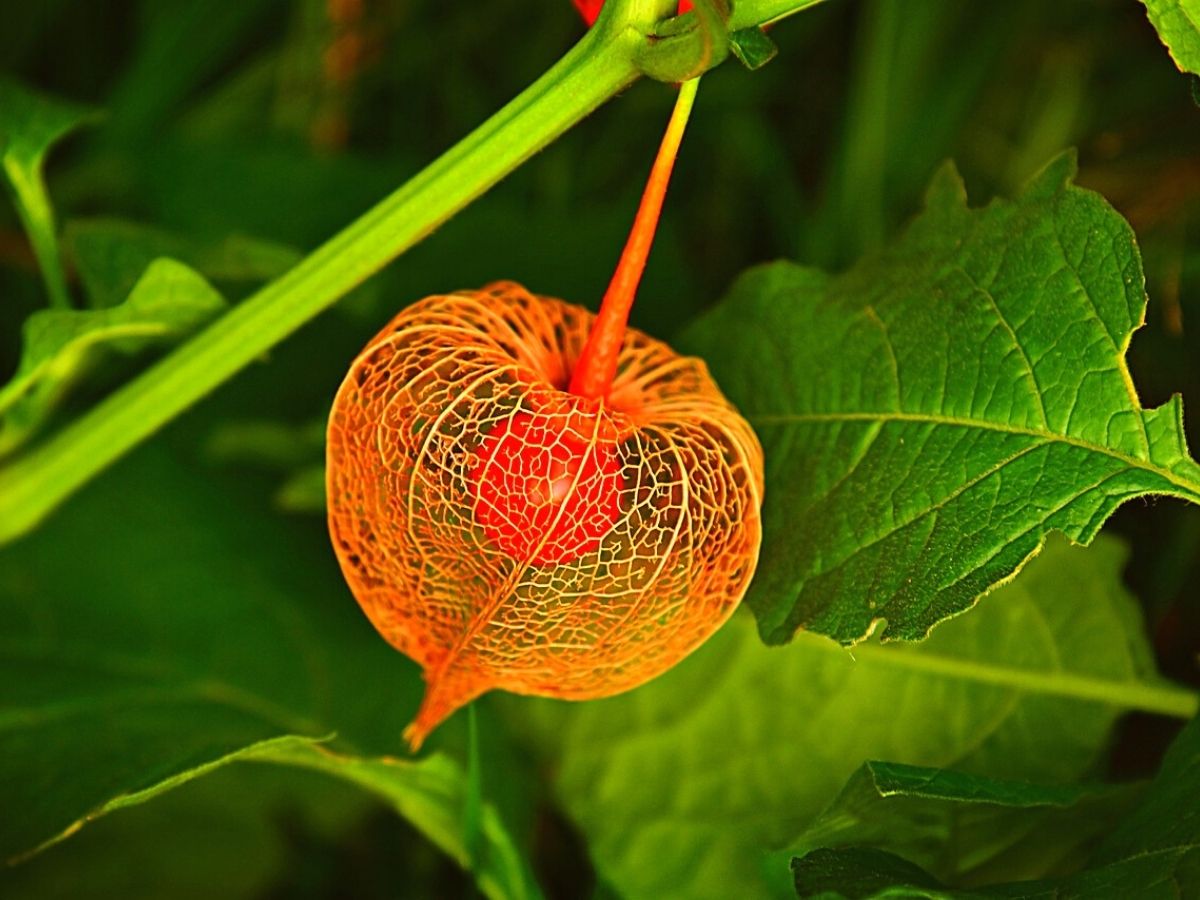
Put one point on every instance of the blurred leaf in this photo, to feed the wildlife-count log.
(1178, 26)
(1155, 853)
(303, 492)
(30, 124)
(914, 85)
(682, 786)
(227, 833)
(178, 46)
(191, 630)
(963, 827)
(932, 414)
(298, 450)
(60, 345)
(111, 254)
(265, 442)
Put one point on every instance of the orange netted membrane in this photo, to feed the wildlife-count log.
(505, 533)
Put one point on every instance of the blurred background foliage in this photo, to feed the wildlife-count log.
(271, 123)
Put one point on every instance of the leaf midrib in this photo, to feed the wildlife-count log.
(1158, 697)
(1191, 488)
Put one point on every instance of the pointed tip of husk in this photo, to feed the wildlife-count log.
(445, 694)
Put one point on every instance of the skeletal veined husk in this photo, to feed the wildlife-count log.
(507, 534)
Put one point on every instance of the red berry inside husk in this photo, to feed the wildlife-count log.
(450, 445)
(528, 497)
(547, 490)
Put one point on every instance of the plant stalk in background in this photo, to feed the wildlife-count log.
(605, 62)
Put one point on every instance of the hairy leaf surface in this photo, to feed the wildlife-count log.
(932, 414)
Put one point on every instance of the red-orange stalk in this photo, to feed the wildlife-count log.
(597, 364)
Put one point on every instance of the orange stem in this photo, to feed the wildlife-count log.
(597, 364)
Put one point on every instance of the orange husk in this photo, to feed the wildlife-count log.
(407, 431)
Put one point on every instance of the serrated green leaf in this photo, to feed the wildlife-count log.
(932, 414)
(1155, 853)
(962, 827)
(683, 785)
(110, 255)
(189, 631)
(30, 124)
(60, 345)
(1178, 26)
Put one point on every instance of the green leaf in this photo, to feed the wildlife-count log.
(932, 414)
(30, 124)
(61, 345)
(191, 630)
(752, 47)
(859, 873)
(232, 832)
(298, 450)
(303, 491)
(962, 827)
(110, 255)
(1178, 26)
(433, 795)
(732, 753)
(1155, 853)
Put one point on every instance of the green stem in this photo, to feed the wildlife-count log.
(597, 68)
(37, 217)
(473, 806)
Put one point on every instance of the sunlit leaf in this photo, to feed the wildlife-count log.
(932, 414)
(1178, 25)
(60, 345)
(682, 786)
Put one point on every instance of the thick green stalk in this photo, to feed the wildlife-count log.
(597, 68)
